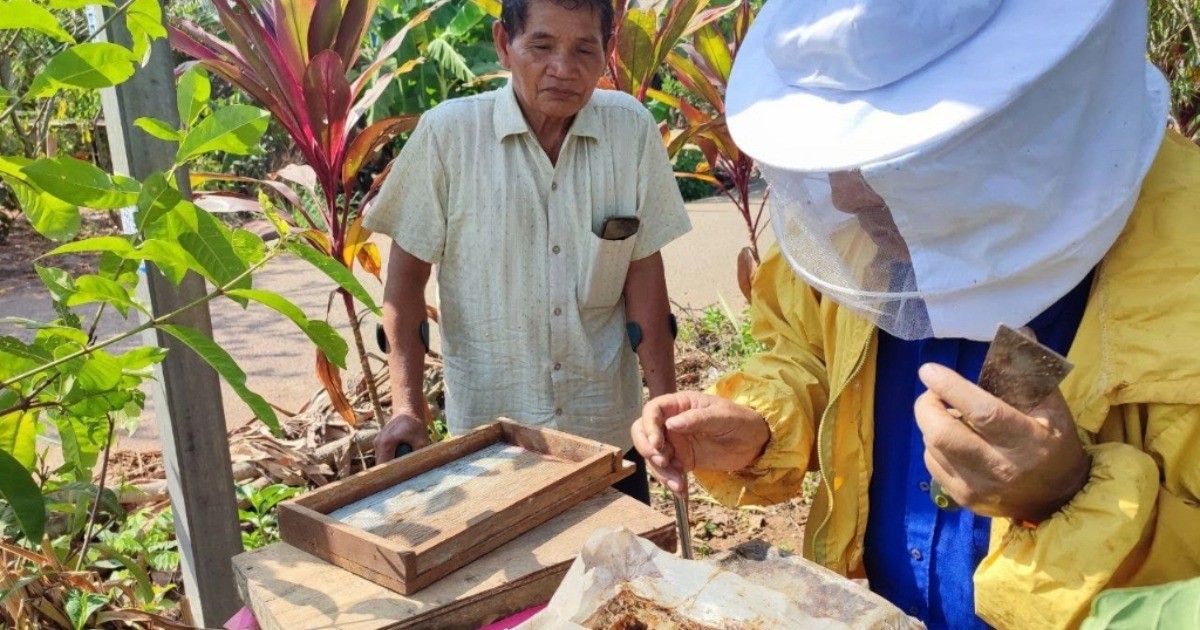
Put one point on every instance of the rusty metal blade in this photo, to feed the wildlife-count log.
(1021, 371)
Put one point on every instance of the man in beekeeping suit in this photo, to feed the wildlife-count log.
(937, 169)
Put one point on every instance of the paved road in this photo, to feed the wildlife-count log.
(278, 360)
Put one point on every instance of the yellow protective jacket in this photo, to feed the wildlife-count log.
(1135, 394)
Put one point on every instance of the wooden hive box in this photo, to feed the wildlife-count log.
(288, 589)
(414, 520)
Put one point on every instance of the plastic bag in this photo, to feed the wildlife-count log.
(622, 582)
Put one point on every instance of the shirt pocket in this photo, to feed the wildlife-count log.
(603, 269)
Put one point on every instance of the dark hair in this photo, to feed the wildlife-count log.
(514, 13)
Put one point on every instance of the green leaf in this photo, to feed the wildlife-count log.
(145, 22)
(82, 440)
(219, 359)
(17, 348)
(74, 5)
(97, 371)
(51, 217)
(141, 580)
(18, 436)
(171, 259)
(249, 246)
(92, 288)
(18, 14)
(142, 358)
(1172, 605)
(157, 198)
(320, 332)
(82, 183)
(159, 129)
(5, 96)
(116, 244)
(337, 272)
(211, 245)
(80, 607)
(19, 491)
(88, 66)
(59, 282)
(235, 129)
(192, 95)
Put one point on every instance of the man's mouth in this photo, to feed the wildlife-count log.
(560, 93)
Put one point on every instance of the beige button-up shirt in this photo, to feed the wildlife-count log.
(532, 313)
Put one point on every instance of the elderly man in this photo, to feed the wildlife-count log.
(544, 206)
(937, 169)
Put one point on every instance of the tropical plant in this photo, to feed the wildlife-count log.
(703, 66)
(1174, 46)
(658, 33)
(260, 524)
(456, 46)
(62, 373)
(298, 60)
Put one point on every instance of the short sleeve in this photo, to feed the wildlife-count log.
(411, 207)
(660, 206)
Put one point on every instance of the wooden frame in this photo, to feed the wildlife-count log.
(407, 566)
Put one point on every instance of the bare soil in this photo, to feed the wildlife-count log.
(24, 246)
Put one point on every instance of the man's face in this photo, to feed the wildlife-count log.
(555, 61)
(851, 194)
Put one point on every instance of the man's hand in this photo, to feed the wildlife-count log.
(680, 432)
(993, 459)
(404, 428)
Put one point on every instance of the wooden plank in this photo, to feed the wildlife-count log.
(186, 391)
(289, 589)
(412, 521)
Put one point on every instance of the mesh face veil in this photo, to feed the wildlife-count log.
(997, 223)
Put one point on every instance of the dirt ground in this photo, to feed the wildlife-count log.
(23, 246)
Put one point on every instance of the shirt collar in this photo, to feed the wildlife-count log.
(508, 119)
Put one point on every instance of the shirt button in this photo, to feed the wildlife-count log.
(557, 311)
(916, 554)
(554, 186)
(556, 249)
(923, 486)
(557, 367)
(558, 412)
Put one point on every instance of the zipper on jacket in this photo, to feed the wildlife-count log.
(821, 430)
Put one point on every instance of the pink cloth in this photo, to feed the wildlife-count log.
(243, 620)
(515, 620)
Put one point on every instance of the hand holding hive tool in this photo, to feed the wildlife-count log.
(1019, 371)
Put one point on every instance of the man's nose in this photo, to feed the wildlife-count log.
(563, 66)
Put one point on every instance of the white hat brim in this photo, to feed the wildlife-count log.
(818, 130)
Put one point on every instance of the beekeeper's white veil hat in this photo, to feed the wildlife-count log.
(1005, 142)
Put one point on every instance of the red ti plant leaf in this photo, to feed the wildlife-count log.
(370, 141)
(331, 378)
(356, 18)
(327, 95)
(323, 30)
(293, 19)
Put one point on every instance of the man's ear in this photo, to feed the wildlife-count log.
(500, 37)
(610, 47)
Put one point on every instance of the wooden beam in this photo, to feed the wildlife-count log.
(187, 392)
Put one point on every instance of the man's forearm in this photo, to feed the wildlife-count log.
(403, 314)
(646, 304)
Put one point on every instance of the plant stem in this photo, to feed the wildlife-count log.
(157, 321)
(368, 376)
(87, 532)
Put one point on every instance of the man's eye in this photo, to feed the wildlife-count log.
(587, 52)
(541, 47)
